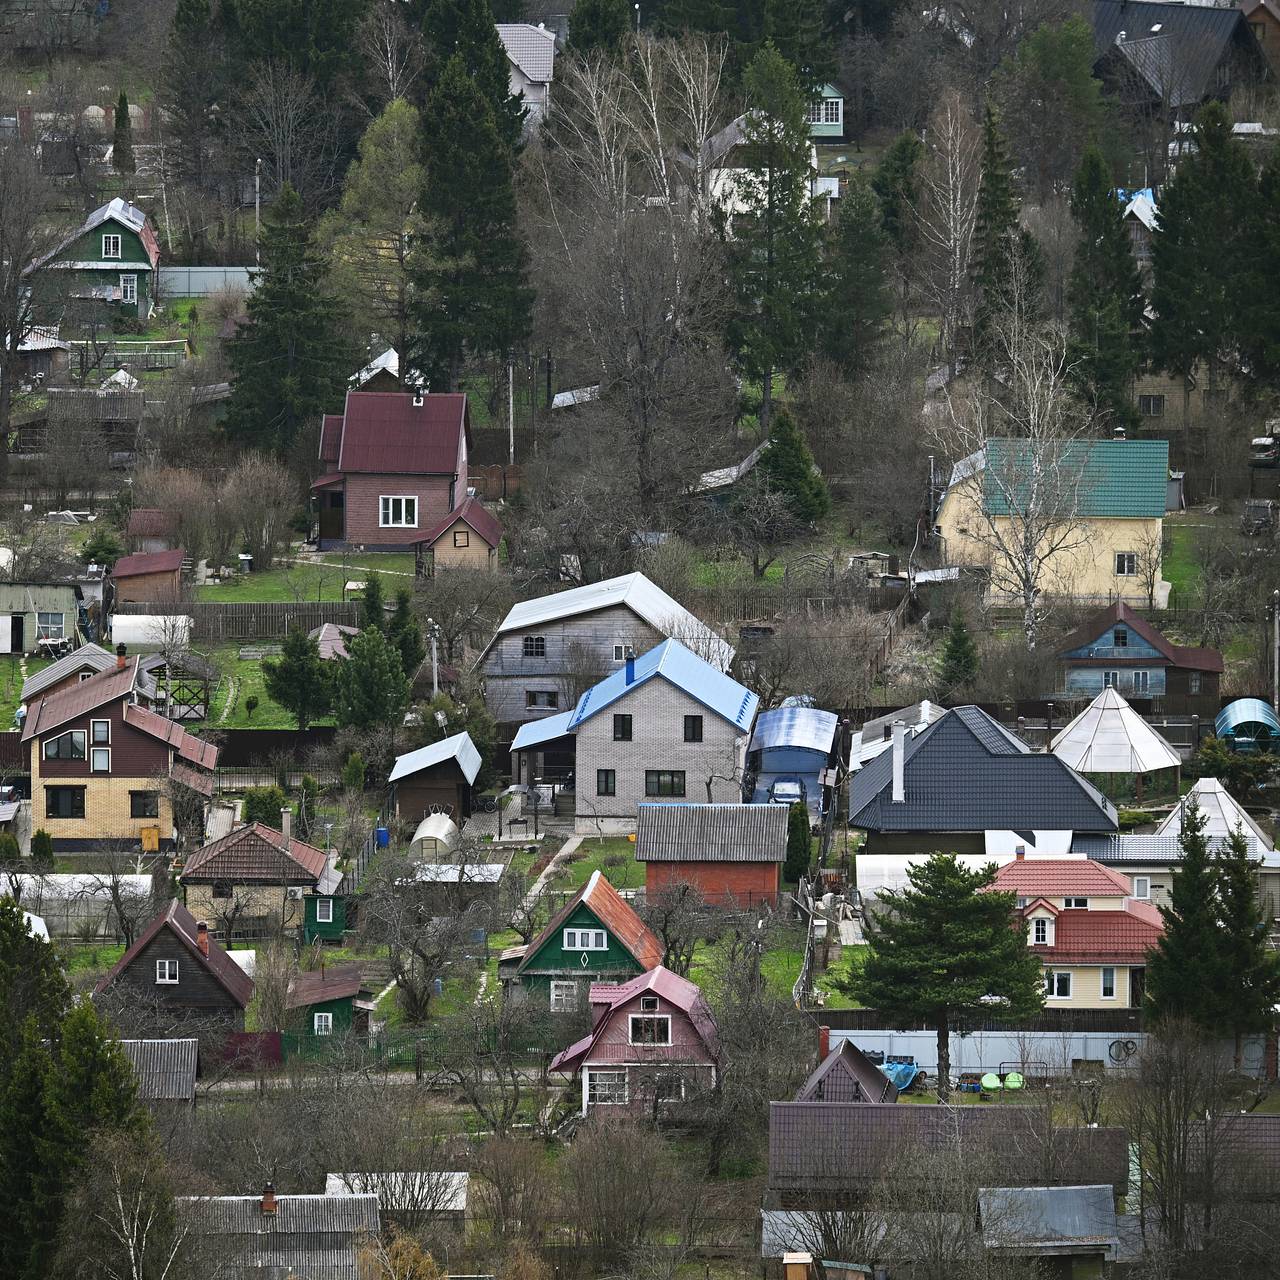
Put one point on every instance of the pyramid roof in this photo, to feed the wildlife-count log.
(1109, 736)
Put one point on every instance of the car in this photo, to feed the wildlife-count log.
(787, 790)
(1264, 451)
(1258, 517)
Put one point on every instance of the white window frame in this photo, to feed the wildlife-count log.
(1053, 979)
(649, 1004)
(324, 911)
(49, 630)
(128, 287)
(632, 1019)
(615, 1077)
(322, 1024)
(1040, 924)
(1142, 888)
(97, 753)
(620, 652)
(1076, 904)
(563, 996)
(815, 111)
(112, 246)
(583, 939)
(1102, 982)
(1142, 682)
(832, 110)
(166, 973)
(1126, 564)
(94, 740)
(387, 511)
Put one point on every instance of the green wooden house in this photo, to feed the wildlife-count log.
(325, 917)
(113, 257)
(328, 1004)
(594, 937)
(826, 114)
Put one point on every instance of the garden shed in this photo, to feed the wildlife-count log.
(1247, 725)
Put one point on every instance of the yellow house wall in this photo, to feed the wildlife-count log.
(476, 555)
(262, 900)
(106, 807)
(1086, 572)
(1086, 987)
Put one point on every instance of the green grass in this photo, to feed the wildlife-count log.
(289, 583)
(90, 959)
(1181, 566)
(241, 679)
(614, 855)
(11, 685)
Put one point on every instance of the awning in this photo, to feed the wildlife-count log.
(537, 732)
(328, 481)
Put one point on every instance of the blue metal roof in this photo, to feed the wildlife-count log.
(676, 664)
(1245, 711)
(805, 727)
(539, 731)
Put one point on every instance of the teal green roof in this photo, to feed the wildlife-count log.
(1117, 478)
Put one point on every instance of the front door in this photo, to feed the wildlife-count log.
(1137, 987)
(16, 630)
(332, 516)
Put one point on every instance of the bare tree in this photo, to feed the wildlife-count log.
(392, 52)
(516, 1194)
(682, 920)
(127, 909)
(1151, 562)
(260, 496)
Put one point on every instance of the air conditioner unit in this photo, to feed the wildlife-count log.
(294, 892)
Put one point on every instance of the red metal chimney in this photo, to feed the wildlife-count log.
(268, 1198)
(824, 1043)
(121, 651)
(202, 941)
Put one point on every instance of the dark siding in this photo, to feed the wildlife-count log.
(442, 786)
(197, 989)
(133, 754)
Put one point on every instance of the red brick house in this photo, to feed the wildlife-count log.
(730, 853)
(652, 1045)
(394, 467)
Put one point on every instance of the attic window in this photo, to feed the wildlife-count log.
(648, 1004)
(1122, 638)
(111, 246)
(650, 1030)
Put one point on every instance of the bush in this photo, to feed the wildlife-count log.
(10, 850)
(42, 848)
(263, 804)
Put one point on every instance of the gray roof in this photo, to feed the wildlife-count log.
(88, 656)
(1048, 1216)
(459, 748)
(1145, 850)
(804, 727)
(532, 49)
(965, 772)
(711, 832)
(166, 1069)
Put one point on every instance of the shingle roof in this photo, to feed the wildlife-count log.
(182, 924)
(532, 49)
(1221, 811)
(166, 1069)
(387, 434)
(331, 639)
(150, 522)
(194, 750)
(1104, 937)
(711, 832)
(49, 712)
(255, 852)
(329, 982)
(672, 662)
(1060, 878)
(846, 1074)
(459, 748)
(1177, 655)
(967, 773)
(148, 562)
(1109, 736)
(473, 512)
(804, 727)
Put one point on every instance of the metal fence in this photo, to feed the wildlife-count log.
(214, 621)
(202, 282)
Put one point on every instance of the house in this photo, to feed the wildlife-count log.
(116, 412)
(963, 780)
(826, 115)
(382, 373)
(98, 758)
(467, 538)
(664, 726)
(253, 1237)
(150, 529)
(331, 639)
(792, 745)
(76, 666)
(38, 617)
(1069, 1231)
(876, 736)
(1110, 737)
(595, 937)
(42, 355)
(254, 879)
(149, 575)
(1263, 17)
(531, 64)
(846, 1074)
(652, 1045)
(166, 1069)
(436, 778)
(330, 1001)
(1140, 221)
(175, 965)
(1248, 725)
(1119, 649)
(729, 853)
(1106, 502)
(548, 651)
(324, 915)
(394, 465)
(424, 1198)
(112, 256)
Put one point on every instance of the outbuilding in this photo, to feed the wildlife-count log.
(436, 779)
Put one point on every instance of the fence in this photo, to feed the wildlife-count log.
(202, 282)
(132, 353)
(214, 621)
(496, 483)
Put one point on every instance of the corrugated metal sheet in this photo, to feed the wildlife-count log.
(459, 748)
(537, 732)
(711, 832)
(1248, 714)
(1048, 1215)
(429, 1189)
(1151, 850)
(166, 1069)
(1107, 478)
(804, 727)
(389, 434)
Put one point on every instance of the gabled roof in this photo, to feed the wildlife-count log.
(182, 924)
(90, 657)
(148, 562)
(129, 216)
(1221, 811)
(329, 982)
(459, 748)
(150, 522)
(472, 512)
(1142, 205)
(846, 1074)
(331, 639)
(1109, 736)
(965, 772)
(532, 49)
(1104, 937)
(1154, 851)
(166, 1069)
(1060, 878)
(633, 591)
(712, 832)
(188, 747)
(423, 1190)
(672, 662)
(804, 727)
(1176, 655)
(388, 362)
(259, 853)
(330, 438)
(49, 712)
(877, 735)
(385, 433)
(614, 912)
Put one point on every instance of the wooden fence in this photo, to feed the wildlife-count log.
(214, 621)
(495, 483)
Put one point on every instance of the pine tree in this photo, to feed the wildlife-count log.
(406, 635)
(678, 16)
(774, 244)
(799, 844)
(299, 679)
(598, 24)
(465, 29)
(795, 30)
(370, 689)
(1105, 297)
(32, 984)
(787, 467)
(942, 949)
(290, 362)
(959, 659)
(855, 312)
(469, 266)
(373, 605)
(122, 148)
(1186, 971)
(1261, 324)
(316, 38)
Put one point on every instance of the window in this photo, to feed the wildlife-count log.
(646, 1029)
(51, 626)
(398, 512)
(621, 652)
(831, 110)
(1151, 406)
(1110, 679)
(1259, 30)
(1126, 564)
(66, 746)
(100, 732)
(1142, 886)
(1040, 932)
(110, 246)
(128, 289)
(1122, 638)
(648, 1004)
(1057, 985)
(324, 911)
(606, 782)
(606, 1088)
(1193, 682)
(622, 728)
(322, 1024)
(544, 699)
(221, 889)
(1108, 983)
(534, 646)
(815, 112)
(664, 782)
(64, 802)
(461, 538)
(693, 728)
(100, 760)
(564, 997)
(166, 972)
(1076, 904)
(586, 940)
(1142, 682)
(144, 804)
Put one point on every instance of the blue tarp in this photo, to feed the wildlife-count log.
(901, 1074)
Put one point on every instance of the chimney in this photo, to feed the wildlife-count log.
(202, 937)
(899, 761)
(1020, 853)
(121, 651)
(888, 732)
(824, 1043)
(417, 398)
(286, 822)
(269, 1199)
(631, 667)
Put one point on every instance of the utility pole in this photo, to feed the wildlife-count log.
(1275, 651)
(511, 409)
(433, 631)
(257, 211)
(637, 19)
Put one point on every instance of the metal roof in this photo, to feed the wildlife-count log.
(148, 562)
(166, 1069)
(711, 832)
(473, 513)
(538, 731)
(458, 748)
(1149, 850)
(686, 671)
(91, 656)
(459, 873)
(1142, 206)
(387, 362)
(804, 727)
(1245, 711)
(846, 1074)
(1109, 736)
(387, 433)
(874, 736)
(532, 49)
(1048, 1216)
(318, 986)
(116, 210)
(1221, 811)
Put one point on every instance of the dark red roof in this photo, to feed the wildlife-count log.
(150, 522)
(48, 713)
(473, 512)
(190, 748)
(328, 480)
(330, 436)
(1104, 937)
(182, 924)
(329, 982)
(256, 852)
(1175, 654)
(148, 562)
(387, 434)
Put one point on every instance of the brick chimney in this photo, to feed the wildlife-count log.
(1020, 853)
(286, 822)
(269, 1199)
(121, 653)
(202, 937)
(824, 1043)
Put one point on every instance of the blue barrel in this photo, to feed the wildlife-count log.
(438, 985)
(382, 837)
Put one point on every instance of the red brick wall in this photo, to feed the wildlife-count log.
(364, 492)
(717, 881)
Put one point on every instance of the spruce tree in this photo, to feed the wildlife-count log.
(122, 140)
(796, 31)
(799, 844)
(787, 467)
(1105, 298)
(373, 605)
(465, 29)
(32, 984)
(291, 361)
(406, 635)
(470, 264)
(896, 184)
(959, 660)
(1261, 325)
(678, 16)
(24, 1088)
(855, 312)
(943, 950)
(316, 38)
(42, 850)
(598, 24)
(370, 688)
(299, 679)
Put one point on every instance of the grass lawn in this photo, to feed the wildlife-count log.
(11, 685)
(242, 678)
(780, 965)
(851, 958)
(1180, 562)
(77, 958)
(614, 855)
(290, 583)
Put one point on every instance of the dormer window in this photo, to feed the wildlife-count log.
(1042, 932)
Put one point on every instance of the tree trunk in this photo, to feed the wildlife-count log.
(766, 402)
(944, 1056)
